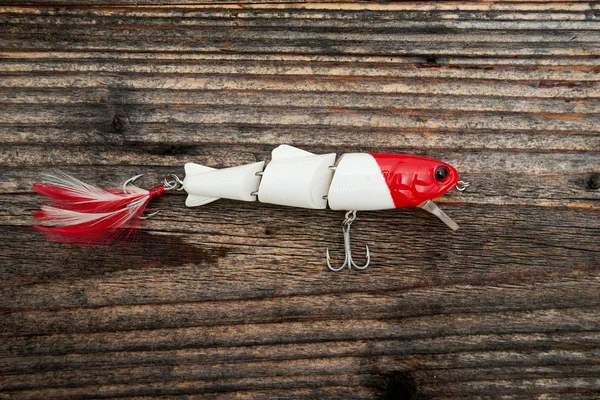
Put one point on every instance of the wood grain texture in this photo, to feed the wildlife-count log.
(233, 300)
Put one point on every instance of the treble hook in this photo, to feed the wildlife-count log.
(129, 182)
(172, 182)
(348, 262)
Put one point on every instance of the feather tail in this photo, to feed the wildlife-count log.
(65, 191)
(80, 213)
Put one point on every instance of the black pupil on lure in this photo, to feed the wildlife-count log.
(441, 173)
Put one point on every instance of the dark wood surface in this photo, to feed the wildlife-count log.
(233, 300)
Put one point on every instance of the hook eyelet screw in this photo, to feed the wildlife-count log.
(462, 185)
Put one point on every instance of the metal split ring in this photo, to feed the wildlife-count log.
(172, 182)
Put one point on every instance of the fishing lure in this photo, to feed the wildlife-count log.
(84, 214)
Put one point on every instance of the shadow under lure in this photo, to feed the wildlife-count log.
(80, 213)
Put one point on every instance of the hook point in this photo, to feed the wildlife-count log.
(130, 181)
(150, 215)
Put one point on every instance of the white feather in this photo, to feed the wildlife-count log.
(56, 217)
(85, 190)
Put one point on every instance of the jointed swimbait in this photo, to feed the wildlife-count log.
(82, 213)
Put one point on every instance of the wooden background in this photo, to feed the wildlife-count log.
(233, 300)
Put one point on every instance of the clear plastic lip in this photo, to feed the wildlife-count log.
(431, 207)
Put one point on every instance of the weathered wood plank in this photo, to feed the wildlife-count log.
(448, 347)
(309, 116)
(156, 309)
(233, 300)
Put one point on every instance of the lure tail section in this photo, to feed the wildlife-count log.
(206, 184)
(194, 200)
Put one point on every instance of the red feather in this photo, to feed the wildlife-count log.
(80, 213)
(58, 196)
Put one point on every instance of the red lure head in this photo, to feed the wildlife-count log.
(413, 180)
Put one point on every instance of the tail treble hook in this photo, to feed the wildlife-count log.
(172, 182)
(348, 262)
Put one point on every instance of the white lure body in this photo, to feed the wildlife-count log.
(358, 184)
(205, 184)
(296, 178)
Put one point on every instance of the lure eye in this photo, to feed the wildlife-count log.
(441, 173)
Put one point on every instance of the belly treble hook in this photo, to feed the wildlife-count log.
(348, 262)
